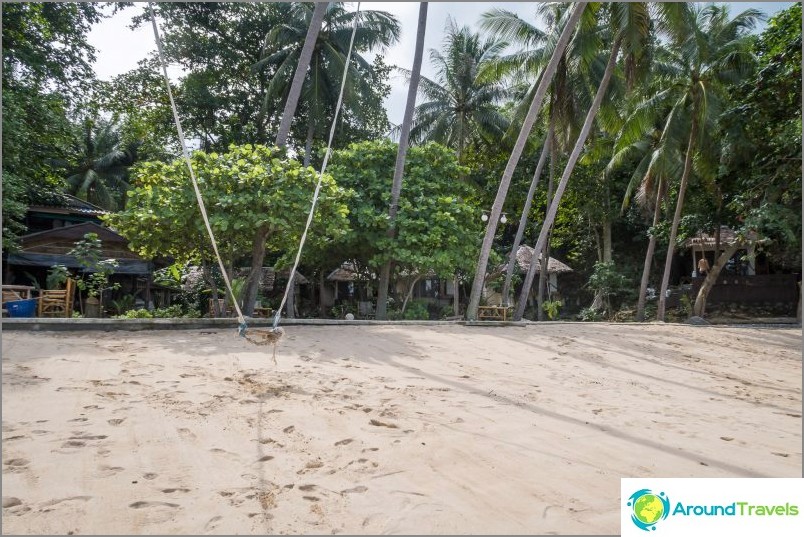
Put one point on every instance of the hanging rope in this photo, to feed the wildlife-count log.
(241, 319)
(321, 174)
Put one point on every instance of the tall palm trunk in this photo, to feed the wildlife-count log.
(301, 71)
(308, 144)
(404, 138)
(562, 185)
(671, 248)
(643, 285)
(258, 248)
(523, 220)
(544, 255)
(519, 147)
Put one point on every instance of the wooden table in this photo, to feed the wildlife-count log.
(262, 312)
(17, 292)
(492, 313)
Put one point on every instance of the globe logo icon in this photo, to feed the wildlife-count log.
(648, 508)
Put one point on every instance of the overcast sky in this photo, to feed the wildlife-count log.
(120, 48)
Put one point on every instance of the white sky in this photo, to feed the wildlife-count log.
(120, 48)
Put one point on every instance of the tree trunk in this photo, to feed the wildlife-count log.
(410, 292)
(643, 285)
(519, 147)
(711, 278)
(523, 220)
(404, 138)
(301, 72)
(308, 144)
(456, 297)
(253, 281)
(290, 308)
(206, 272)
(321, 310)
(676, 219)
(544, 255)
(562, 185)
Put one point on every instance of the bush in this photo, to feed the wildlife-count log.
(135, 314)
(590, 314)
(416, 311)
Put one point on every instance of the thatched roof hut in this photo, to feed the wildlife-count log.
(706, 242)
(524, 255)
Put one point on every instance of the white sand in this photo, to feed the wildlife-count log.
(384, 429)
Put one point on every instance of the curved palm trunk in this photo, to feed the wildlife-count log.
(404, 137)
(543, 256)
(643, 285)
(703, 293)
(671, 248)
(523, 220)
(519, 147)
(301, 71)
(549, 219)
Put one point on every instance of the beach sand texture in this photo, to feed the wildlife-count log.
(384, 429)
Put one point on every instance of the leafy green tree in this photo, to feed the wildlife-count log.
(256, 197)
(46, 68)
(437, 223)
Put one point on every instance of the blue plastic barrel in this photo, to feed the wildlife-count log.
(21, 308)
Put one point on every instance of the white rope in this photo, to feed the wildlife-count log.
(321, 175)
(240, 318)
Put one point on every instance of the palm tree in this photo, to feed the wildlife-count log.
(290, 45)
(460, 106)
(567, 94)
(519, 147)
(404, 136)
(629, 24)
(101, 174)
(708, 52)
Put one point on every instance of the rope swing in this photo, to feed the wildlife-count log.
(273, 335)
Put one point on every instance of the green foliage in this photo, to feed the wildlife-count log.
(123, 304)
(438, 227)
(590, 315)
(57, 276)
(416, 310)
(551, 307)
(135, 314)
(245, 189)
(87, 252)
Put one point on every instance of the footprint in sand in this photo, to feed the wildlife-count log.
(172, 490)
(108, 471)
(51, 503)
(11, 501)
(143, 505)
(149, 476)
(212, 523)
(356, 490)
(17, 463)
(344, 442)
(115, 422)
(185, 433)
(306, 488)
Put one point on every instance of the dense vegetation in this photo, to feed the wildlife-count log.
(699, 125)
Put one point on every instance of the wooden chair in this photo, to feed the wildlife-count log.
(57, 302)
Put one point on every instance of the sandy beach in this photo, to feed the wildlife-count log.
(384, 429)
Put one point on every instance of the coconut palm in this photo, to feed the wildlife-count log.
(287, 46)
(461, 106)
(567, 94)
(404, 137)
(629, 27)
(708, 52)
(103, 160)
(505, 181)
